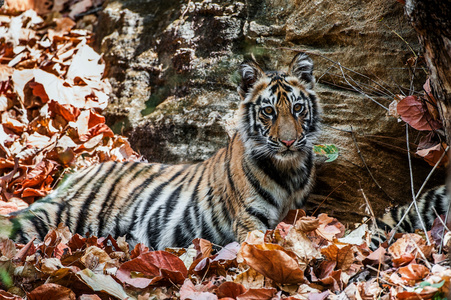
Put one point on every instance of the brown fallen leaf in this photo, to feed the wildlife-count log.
(230, 289)
(273, 261)
(152, 267)
(408, 243)
(199, 291)
(258, 294)
(412, 273)
(51, 291)
(343, 255)
(415, 113)
(432, 155)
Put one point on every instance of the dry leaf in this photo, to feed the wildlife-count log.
(415, 113)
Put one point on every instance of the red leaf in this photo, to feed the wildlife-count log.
(138, 250)
(77, 242)
(95, 119)
(67, 111)
(433, 154)
(28, 249)
(415, 113)
(230, 289)
(96, 130)
(39, 91)
(51, 291)
(258, 294)
(38, 177)
(152, 267)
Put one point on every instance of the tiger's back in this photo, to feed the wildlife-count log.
(266, 169)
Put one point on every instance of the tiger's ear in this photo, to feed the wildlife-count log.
(250, 73)
(302, 67)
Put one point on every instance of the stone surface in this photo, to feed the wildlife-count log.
(183, 54)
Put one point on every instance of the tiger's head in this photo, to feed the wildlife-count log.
(279, 113)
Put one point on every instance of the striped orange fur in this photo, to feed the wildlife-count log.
(266, 169)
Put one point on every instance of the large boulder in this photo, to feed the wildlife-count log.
(173, 69)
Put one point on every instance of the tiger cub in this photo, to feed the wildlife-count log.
(435, 199)
(266, 170)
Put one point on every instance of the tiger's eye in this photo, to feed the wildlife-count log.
(269, 110)
(297, 107)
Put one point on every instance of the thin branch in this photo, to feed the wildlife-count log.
(412, 188)
(366, 166)
(393, 231)
(360, 91)
(343, 182)
(426, 262)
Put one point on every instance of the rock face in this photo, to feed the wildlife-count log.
(172, 66)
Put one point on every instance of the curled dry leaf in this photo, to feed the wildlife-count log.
(408, 243)
(432, 155)
(200, 291)
(392, 108)
(258, 294)
(230, 289)
(102, 283)
(343, 255)
(414, 112)
(412, 273)
(203, 247)
(51, 291)
(93, 256)
(307, 224)
(298, 242)
(273, 261)
(329, 228)
(250, 279)
(151, 267)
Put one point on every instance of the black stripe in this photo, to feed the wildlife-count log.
(265, 165)
(305, 172)
(181, 240)
(194, 200)
(41, 228)
(83, 213)
(156, 193)
(109, 200)
(154, 231)
(66, 207)
(206, 231)
(256, 185)
(259, 215)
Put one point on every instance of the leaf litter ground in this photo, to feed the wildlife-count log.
(50, 109)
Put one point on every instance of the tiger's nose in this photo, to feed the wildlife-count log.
(288, 143)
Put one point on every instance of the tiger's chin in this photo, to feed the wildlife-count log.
(288, 158)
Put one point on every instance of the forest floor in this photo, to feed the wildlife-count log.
(52, 94)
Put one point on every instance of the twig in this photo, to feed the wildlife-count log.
(446, 221)
(360, 91)
(443, 231)
(440, 219)
(393, 231)
(343, 182)
(421, 252)
(412, 188)
(366, 166)
(373, 217)
(343, 130)
(328, 59)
